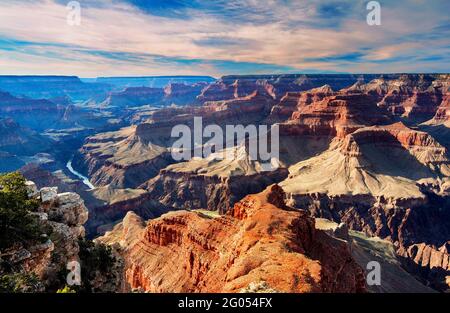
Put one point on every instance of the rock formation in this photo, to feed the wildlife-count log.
(383, 180)
(414, 97)
(134, 96)
(349, 157)
(260, 240)
(211, 183)
(19, 140)
(182, 94)
(122, 158)
(65, 215)
(293, 101)
(336, 116)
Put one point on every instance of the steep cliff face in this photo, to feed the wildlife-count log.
(260, 240)
(277, 86)
(367, 249)
(442, 115)
(414, 97)
(439, 125)
(210, 183)
(388, 181)
(293, 101)
(43, 263)
(182, 94)
(226, 89)
(430, 262)
(336, 116)
(134, 96)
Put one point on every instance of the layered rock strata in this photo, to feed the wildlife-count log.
(260, 240)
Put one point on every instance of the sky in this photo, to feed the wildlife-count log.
(222, 37)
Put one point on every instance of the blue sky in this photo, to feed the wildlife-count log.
(180, 37)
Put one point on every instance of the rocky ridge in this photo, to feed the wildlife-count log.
(259, 240)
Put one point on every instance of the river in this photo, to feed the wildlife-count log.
(84, 179)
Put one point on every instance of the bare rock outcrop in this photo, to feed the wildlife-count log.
(64, 214)
(293, 101)
(414, 97)
(388, 181)
(257, 241)
(335, 116)
(210, 183)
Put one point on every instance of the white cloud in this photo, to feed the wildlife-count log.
(288, 38)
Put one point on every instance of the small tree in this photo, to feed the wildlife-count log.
(17, 225)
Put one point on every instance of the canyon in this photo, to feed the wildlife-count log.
(366, 151)
(258, 240)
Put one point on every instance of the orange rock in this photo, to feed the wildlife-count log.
(336, 116)
(260, 240)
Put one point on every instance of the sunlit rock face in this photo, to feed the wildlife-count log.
(259, 240)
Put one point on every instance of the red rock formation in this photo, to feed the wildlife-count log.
(292, 101)
(412, 96)
(276, 86)
(443, 112)
(182, 94)
(238, 88)
(258, 241)
(335, 116)
(392, 135)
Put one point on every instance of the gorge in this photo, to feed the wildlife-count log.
(367, 152)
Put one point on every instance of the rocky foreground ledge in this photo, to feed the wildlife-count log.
(62, 215)
(260, 244)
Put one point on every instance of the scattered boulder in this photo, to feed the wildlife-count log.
(49, 195)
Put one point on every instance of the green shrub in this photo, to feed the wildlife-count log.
(66, 289)
(95, 258)
(17, 225)
(19, 283)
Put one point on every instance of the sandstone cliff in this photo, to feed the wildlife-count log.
(210, 183)
(260, 240)
(388, 181)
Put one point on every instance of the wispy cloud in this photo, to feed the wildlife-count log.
(136, 37)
